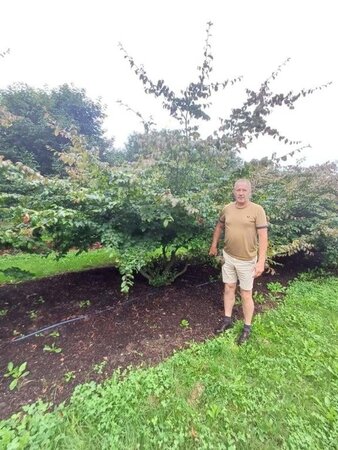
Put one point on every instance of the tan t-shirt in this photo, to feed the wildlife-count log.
(240, 229)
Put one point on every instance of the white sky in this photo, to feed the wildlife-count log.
(67, 41)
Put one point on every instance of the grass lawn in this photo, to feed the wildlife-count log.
(15, 268)
(279, 390)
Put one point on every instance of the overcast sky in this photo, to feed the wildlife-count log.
(54, 42)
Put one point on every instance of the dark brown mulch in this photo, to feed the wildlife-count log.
(113, 331)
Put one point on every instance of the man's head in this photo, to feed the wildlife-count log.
(242, 192)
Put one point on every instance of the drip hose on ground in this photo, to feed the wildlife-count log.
(63, 322)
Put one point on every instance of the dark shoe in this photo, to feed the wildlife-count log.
(226, 324)
(243, 337)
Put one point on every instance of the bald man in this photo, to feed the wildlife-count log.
(245, 230)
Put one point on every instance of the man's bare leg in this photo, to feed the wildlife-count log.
(229, 301)
(248, 310)
(248, 306)
(229, 298)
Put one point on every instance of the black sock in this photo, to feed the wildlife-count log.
(227, 319)
(247, 328)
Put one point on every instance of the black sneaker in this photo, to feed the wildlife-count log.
(244, 336)
(226, 324)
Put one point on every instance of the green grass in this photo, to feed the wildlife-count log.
(277, 391)
(25, 266)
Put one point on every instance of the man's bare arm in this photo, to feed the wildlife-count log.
(262, 249)
(215, 238)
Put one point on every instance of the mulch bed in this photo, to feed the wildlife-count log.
(109, 331)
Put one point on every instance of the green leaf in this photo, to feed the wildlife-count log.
(13, 384)
(23, 366)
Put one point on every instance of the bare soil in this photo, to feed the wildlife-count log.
(105, 329)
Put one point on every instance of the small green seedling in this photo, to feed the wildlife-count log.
(16, 372)
(52, 348)
(184, 323)
(69, 376)
(54, 334)
(213, 278)
(98, 368)
(84, 303)
(3, 312)
(32, 314)
(39, 300)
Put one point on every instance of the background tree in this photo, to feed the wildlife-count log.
(31, 140)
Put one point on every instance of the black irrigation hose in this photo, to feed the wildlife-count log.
(63, 322)
(47, 328)
(203, 284)
(73, 320)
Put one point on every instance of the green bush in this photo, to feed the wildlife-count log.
(302, 208)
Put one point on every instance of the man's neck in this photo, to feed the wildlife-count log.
(242, 205)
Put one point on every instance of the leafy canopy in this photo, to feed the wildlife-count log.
(155, 207)
(25, 132)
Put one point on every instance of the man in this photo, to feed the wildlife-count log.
(245, 234)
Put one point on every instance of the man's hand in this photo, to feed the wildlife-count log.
(259, 269)
(213, 250)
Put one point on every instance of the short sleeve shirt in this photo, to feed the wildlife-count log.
(240, 229)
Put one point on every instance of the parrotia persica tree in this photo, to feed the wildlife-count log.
(125, 208)
(245, 123)
(30, 139)
(156, 207)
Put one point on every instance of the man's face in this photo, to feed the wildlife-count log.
(242, 193)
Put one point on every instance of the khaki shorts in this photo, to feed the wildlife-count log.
(235, 269)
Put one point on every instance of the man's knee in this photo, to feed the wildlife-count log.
(230, 287)
(246, 294)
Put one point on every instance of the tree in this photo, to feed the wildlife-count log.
(192, 103)
(30, 138)
(245, 123)
(70, 106)
(155, 209)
